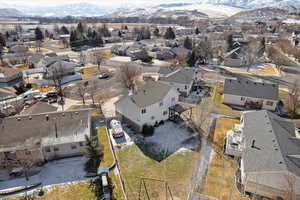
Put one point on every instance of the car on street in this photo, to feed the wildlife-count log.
(103, 75)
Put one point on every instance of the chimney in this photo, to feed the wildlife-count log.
(253, 144)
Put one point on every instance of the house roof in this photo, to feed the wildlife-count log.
(19, 129)
(63, 64)
(39, 107)
(153, 92)
(276, 147)
(8, 72)
(177, 75)
(248, 88)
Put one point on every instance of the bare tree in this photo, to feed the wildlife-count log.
(82, 91)
(251, 54)
(97, 59)
(129, 75)
(92, 91)
(293, 99)
(82, 58)
(57, 76)
(276, 57)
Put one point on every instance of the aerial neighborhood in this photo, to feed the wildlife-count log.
(174, 101)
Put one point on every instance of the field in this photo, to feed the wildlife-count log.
(220, 181)
(78, 191)
(176, 170)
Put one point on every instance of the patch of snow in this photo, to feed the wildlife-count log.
(54, 172)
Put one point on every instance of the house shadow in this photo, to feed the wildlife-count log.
(167, 140)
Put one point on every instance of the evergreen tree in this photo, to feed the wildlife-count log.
(80, 28)
(120, 34)
(98, 40)
(187, 43)
(191, 59)
(229, 41)
(64, 30)
(197, 31)
(170, 35)
(38, 34)
(94, 155)
(156, 32)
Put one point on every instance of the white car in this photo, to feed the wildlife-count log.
(117, 130)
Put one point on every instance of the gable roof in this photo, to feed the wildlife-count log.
(39, 107)
(177, 75)
(276, 147)
(153, 92)
(248, 88)
(19, 129)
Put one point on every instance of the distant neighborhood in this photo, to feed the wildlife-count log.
(158, 107)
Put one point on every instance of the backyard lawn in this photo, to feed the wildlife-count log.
(218, 97)
(175, 169)
(78, 191)
(108, 159)
(220, 181)
(268, 70)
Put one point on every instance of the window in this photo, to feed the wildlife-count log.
(48, 149)
(56, 149)
(161, 104)
(165, 112)
(81, 144)
(269, 103)
(73, 147)
(242, 98)
(152, 117)
(143, 111)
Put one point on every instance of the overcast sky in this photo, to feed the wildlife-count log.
(98, 2)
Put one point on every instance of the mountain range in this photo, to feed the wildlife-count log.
(211, 8)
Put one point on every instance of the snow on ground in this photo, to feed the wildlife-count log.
(211, 10)
(166, 140)
(54, 172)
(121, 59)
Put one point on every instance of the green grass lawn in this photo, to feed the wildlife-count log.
(176, 170)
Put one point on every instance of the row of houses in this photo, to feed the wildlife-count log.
(268, 150)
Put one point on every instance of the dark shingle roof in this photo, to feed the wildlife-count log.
(249, 88)
(39, 107)
(276, 145)
(151, 93)
(177, 75)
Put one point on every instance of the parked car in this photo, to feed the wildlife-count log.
(103, 75)
(117, 130)
(16, 172)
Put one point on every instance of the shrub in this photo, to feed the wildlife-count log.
(147, 130)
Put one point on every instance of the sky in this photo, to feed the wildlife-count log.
(37, 3)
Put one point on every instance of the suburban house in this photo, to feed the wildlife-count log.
(250, 94)
(61, 68)
(37, 108)
(149, 105)
(180, 78)
(45, 136)
(10, 77)
(268, 148)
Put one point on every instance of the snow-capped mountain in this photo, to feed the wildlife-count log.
(253, 4)
(10, 12)
(192, 11)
